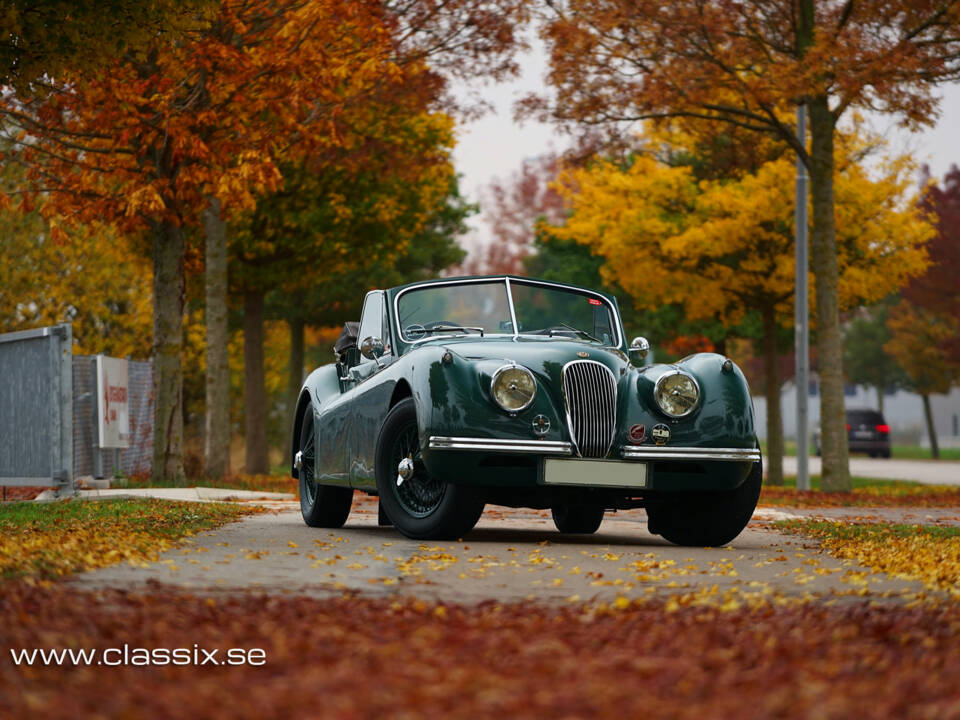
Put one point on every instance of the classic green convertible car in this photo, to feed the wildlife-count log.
(524, 393)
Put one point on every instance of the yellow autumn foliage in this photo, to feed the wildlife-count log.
(721, 248)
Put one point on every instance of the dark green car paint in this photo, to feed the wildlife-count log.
(453, 399)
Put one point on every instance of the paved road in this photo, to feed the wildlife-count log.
(511, 555)
(934, 472)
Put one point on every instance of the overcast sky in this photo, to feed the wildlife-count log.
(496, 145)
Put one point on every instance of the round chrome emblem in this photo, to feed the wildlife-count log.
(583, 354)
(637, 434)
(541, 425)
(660, 434)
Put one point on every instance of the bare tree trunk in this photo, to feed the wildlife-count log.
(880, 400)
(772, 389)
(168, 298)
(216, 451)
(295, 379)
(835, 474)
(255, 393)
(931, 428)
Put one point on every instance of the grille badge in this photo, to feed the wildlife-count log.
(660, 434)
(541, 425)
(583, 354)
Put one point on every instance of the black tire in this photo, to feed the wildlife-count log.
(707, 521)
(423, 507)
(885, 454)
(323, 506)
(577, 519)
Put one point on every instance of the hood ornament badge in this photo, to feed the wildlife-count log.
(583, 354)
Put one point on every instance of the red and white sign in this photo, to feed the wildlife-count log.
(113, 409)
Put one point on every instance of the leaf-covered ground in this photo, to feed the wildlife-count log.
(927, 553)
(262, 483)
(52, 539)
(353, 657)
(867, 492)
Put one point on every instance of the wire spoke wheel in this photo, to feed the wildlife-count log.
(308, 455)
(421, 493)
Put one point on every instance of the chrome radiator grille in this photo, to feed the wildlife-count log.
(590, 392)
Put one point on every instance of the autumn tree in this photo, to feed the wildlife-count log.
(748, 63)
(99, 282)
(343, 212)
(149, 143)
(925, 326)
(917, 339)
(724, 248)
(43, 39)
(938, 289)
(512, 207)
(864, 358)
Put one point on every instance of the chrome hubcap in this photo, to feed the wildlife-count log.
(404, 470)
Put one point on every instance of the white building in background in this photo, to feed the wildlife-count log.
(903, 412)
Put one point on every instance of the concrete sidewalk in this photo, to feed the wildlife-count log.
(193, 494)
(929, 472)
(511, 556)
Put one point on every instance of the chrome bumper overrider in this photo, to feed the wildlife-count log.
(540, 447)
(639, 452)
(629, 452)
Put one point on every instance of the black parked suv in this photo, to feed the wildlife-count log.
(867, 432)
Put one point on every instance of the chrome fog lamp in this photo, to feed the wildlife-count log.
(677, 393)
(513, 388)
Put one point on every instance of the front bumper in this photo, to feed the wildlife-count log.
(627, 452)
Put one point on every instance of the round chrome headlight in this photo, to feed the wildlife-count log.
(677, 393)
(513, 388)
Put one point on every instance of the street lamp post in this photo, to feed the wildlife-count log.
(801, 313)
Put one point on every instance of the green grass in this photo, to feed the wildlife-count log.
(901, 452)
(52, 539)
(864, 483)
(161, 517)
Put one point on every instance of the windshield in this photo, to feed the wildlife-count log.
(454, 308)
(484, 308)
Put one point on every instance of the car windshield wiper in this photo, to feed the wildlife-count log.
(447, 328)
(571, 328)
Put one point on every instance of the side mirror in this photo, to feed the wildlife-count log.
(372, 348)
(639, 347)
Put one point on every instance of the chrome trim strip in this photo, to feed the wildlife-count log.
(513, 310)
(540, 447)
(648, 452)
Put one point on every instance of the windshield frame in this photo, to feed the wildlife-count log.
(506, 281)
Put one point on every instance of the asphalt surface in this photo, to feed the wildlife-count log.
(932, 472)
(512, 555)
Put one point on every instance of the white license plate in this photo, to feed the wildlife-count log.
(862, 434)
(594, 473)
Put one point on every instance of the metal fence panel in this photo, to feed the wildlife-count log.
(90, 460)
(36, 399)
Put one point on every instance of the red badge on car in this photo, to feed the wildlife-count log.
(637, 434)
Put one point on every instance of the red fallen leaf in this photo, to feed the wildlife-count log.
(357, 657)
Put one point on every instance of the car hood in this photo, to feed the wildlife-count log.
(544, 356)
